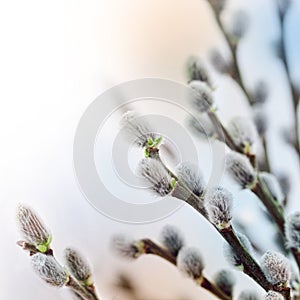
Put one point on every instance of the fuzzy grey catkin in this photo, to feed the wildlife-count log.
(197, 71)
(190, 262)
(219, 62)
(260, 120)
(191, 176)
(240, 24)
(201, 96)
(248, 295)
(240, 169)
(137, 129)
(273, 186)
(242, 132)
(33, 229)
(292, 230)
(125, 246)
(230, 254)
(77, 265)
(260, 93)
(276, 268)
(156, 174)
(271, 295)
(219, 207)
(225, 281)
(172, 239)
(49, 270)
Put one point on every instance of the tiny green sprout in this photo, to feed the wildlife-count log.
(157, 141)
(213, 109)
(43, 248)
(89, 282)
(147, 153)
(240, 268)
(173, 182)
(247, 148)
(150, 142)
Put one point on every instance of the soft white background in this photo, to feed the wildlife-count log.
(56, 58)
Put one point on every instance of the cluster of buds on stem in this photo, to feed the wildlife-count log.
(76, 275)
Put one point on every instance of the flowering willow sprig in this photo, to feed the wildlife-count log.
(187, 259)
(51, 272)
(260, 93)
(164, 183)
(37, 240)
(181, 191)
(243, 173)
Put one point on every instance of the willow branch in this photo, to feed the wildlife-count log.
(235, 74)
(294, 92)
(153, 248)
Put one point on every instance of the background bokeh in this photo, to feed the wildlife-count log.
(56, 58)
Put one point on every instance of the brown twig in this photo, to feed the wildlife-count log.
(153, 248)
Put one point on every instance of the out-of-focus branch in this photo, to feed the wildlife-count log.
(153, 248)
(294, 91)
(235, 74)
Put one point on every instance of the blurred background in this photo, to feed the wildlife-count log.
(56, 58)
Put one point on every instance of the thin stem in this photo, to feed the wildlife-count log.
(266, 163)
(273, 206)
(32, 249)
(251, 267)
(206, 284)
(153, 248)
